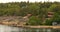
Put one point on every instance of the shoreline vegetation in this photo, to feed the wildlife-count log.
(34, 14)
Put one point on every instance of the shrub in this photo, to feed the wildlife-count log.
(34, 21)
(48, 22)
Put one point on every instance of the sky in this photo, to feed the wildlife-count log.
(6, 1)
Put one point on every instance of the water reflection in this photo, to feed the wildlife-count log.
(4, 28)
(56, 30)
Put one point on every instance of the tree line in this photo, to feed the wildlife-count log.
(37, 9)
(23, 8)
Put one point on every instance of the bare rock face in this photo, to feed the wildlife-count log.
(14, 18)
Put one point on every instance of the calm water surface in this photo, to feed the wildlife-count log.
(4, 28)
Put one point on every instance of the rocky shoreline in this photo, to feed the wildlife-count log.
(17, 22)
(52, 27)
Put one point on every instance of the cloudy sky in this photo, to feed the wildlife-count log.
(6, 1)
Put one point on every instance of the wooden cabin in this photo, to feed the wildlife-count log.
(50, 14)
